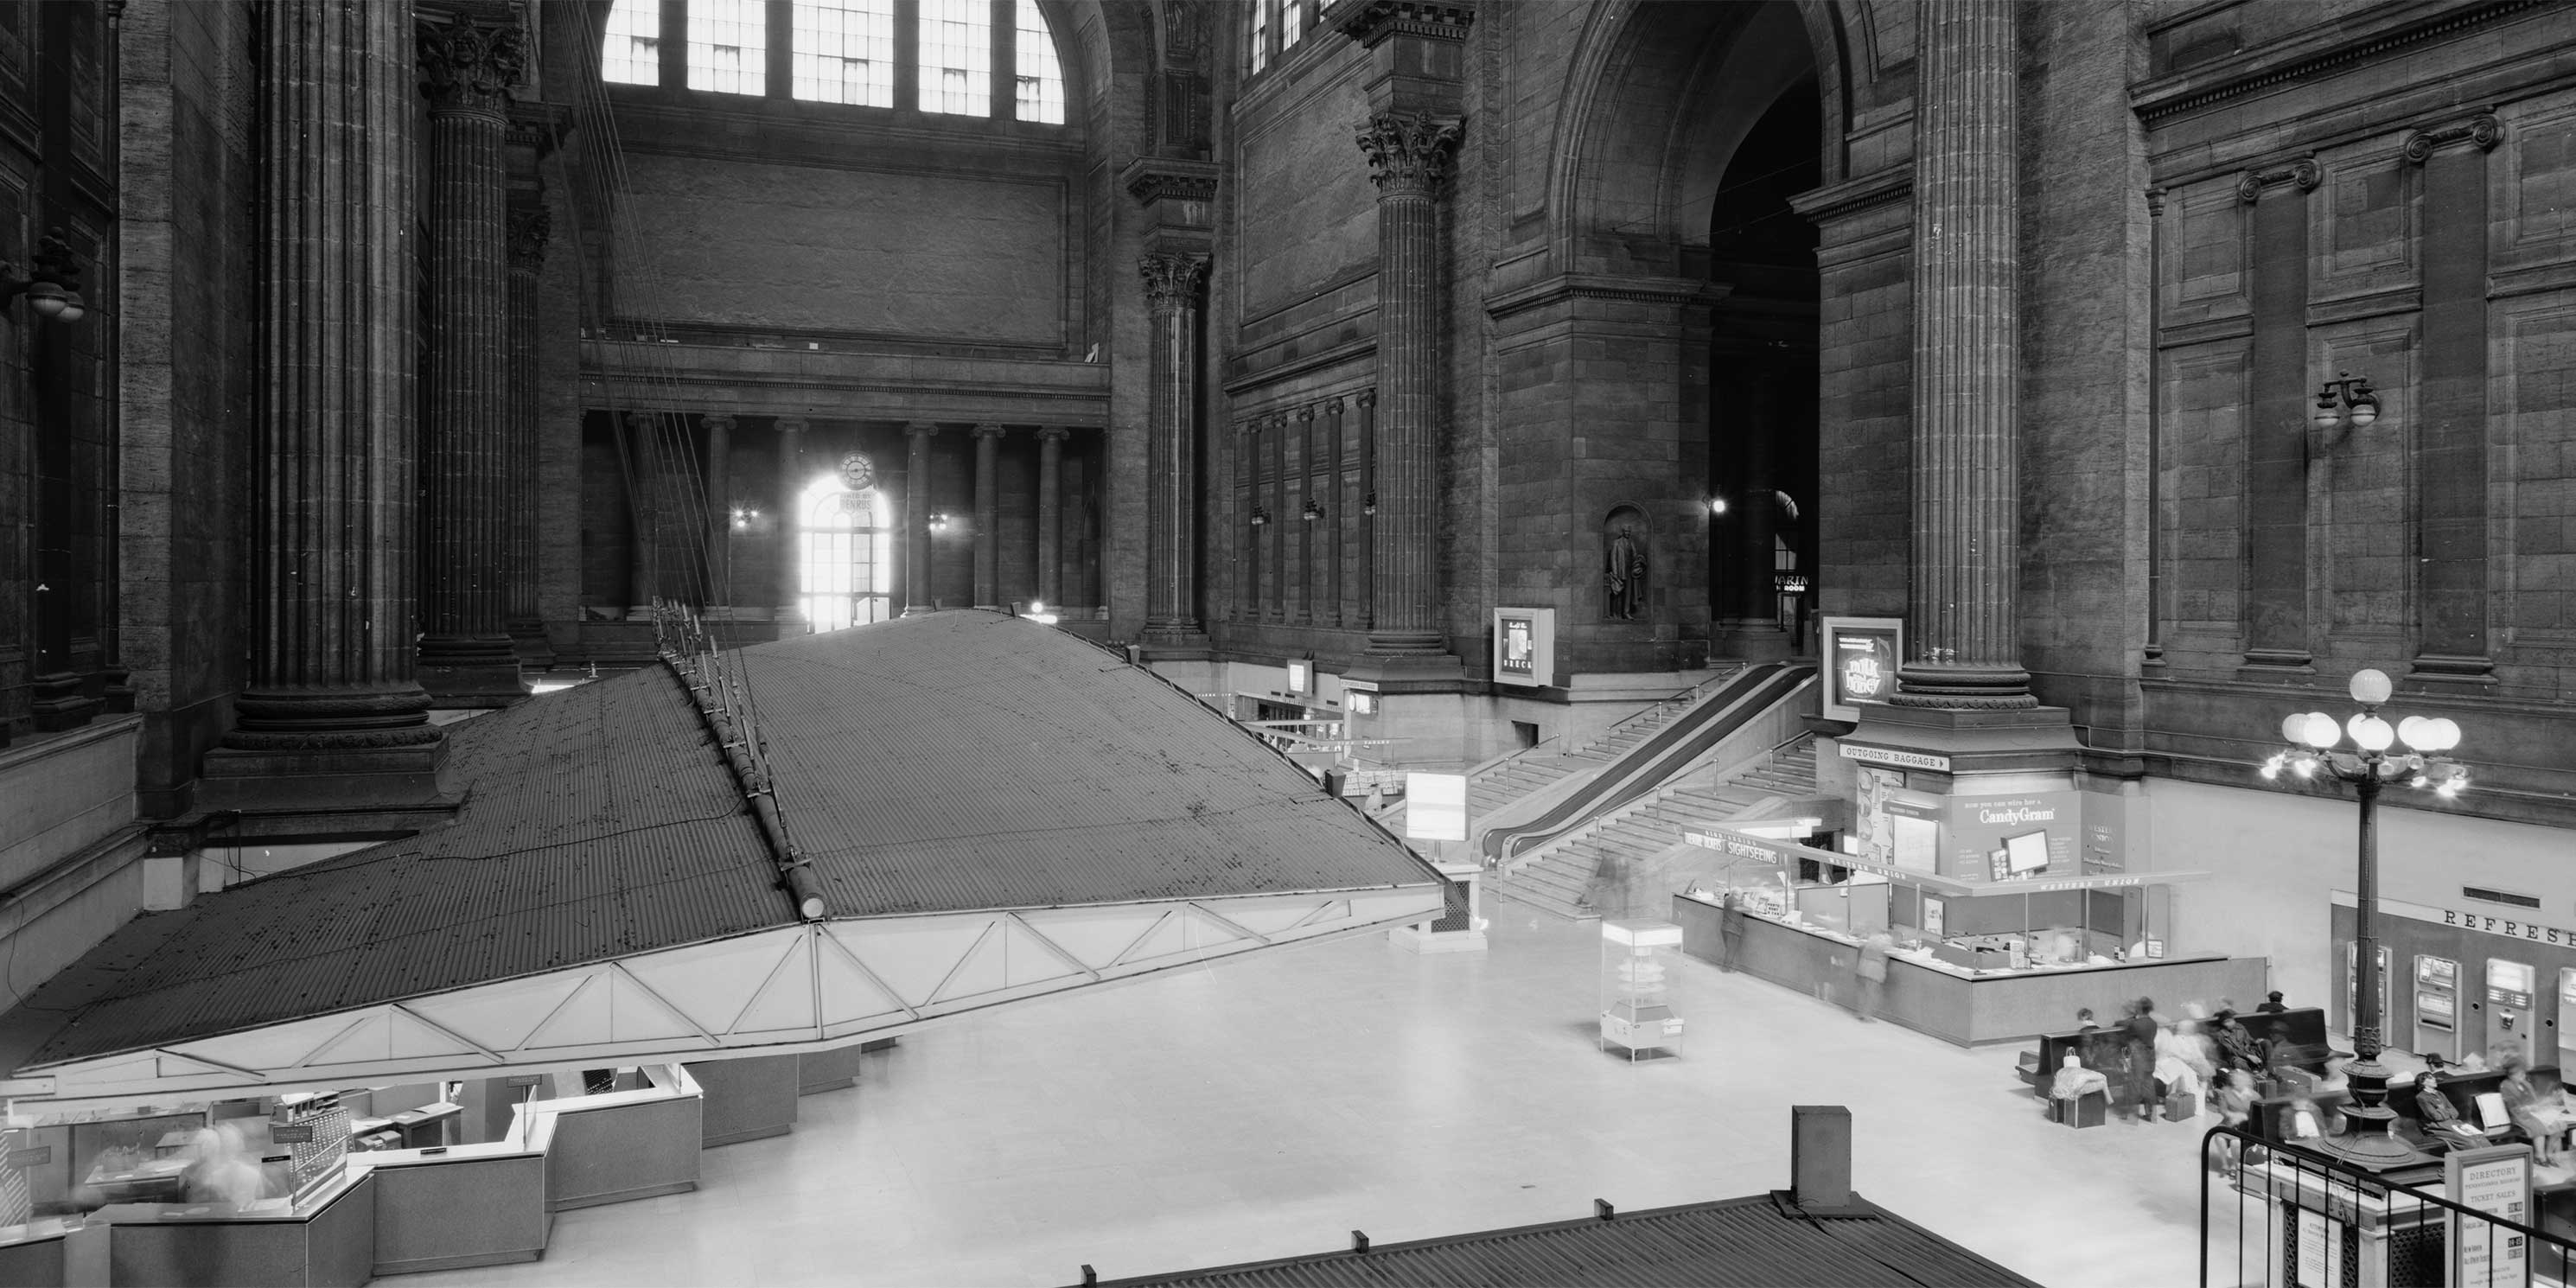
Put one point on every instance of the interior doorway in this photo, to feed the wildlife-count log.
(843, 544)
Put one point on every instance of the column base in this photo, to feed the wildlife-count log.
(232, 778)
(57, 702)
(1410, 673)
(1963, 687)
(1978, 740)
(485, 684)
(530, 645)
(1182, 641)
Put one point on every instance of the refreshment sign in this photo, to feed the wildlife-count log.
(2495, 1180)
(1525, 647)
(1436, 807)
(1861, 657)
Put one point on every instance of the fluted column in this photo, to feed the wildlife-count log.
(1408, 157)
(643, 512)
(791, 492)
(988, 515)
(719, 507)
(332, 686)
(1051, 516)
(529, 227)
(465, 652)
(1966, 364)
(917, 598)
(1172, 285)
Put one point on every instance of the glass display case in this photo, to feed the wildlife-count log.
(1636, 959)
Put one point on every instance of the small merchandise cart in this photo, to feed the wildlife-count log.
(1635, 957)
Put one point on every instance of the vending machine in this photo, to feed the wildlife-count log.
(2510, 1021)
(2437, 1007)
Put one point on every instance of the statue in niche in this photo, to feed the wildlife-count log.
(1624, 574)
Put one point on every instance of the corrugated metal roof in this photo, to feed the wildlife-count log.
(1739, 1243)
(599, 824)
(970, 760)
(954, 762)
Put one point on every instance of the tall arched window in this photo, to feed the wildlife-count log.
(842, 544)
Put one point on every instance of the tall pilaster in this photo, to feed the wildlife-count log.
(1172, 285)
(1966, 371)
(465, 654)
(332, 695)
(1337, 512)
(1277, 509)
(791, 493)
(529, 227)
(1051, 516)
(1366, 403)
(719, 508)
(917, 597)
(988, 515)
(1306, 504)
(1408, 157)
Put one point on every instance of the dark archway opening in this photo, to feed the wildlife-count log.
(1763, 380)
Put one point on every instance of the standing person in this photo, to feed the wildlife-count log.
(1730, 928)
(1870, 972)
(2138, 1035)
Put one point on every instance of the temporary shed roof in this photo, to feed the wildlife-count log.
(992, 809)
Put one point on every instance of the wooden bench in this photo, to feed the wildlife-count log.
(2463, 1090)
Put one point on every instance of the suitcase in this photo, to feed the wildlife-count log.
(2087, 1110)
(2181, 1105)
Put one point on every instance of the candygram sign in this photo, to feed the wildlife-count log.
(1861, 657)
(1525, 647)
(2017, 813)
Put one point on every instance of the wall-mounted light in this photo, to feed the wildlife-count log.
(2351, 394)
(1368, 504)
(744, 516)
(1260, 516)
(1312, 512)
(50, 286)
(939, 521)
(1717, 505)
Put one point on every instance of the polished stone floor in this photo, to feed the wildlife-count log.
(1270, 1106)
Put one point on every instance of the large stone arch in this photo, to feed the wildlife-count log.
(1654, 104)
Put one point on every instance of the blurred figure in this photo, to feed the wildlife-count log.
(2271, 1004)
(1871, 969)
(220, 1169)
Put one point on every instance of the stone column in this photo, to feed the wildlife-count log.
(643, 513)
(1966, 371)
(1367, 404)
(917, 598)
(719, 509)
(1247, 450)
(529, 227)
(1408, 157)
(1306, 533)
(1277, 609)
(791, 493)
(1051, 516)
(988, 515)
(1337, 516)
(1172, 285)
(331, 693)
(466, 657)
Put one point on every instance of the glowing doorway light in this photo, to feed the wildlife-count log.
(843, 545)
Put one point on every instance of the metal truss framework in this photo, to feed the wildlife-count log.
(790, 988)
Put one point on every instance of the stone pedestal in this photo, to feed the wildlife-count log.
(332, 708)
(466, 656)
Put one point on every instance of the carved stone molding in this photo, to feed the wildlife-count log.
(1172, 282)
(2155, 202)
(1408, 151)
(2482, 131)
(471, 66)
(530, 227)
(1371, 21)
(2303, 172)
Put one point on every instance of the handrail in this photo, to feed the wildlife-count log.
(2358, 1184)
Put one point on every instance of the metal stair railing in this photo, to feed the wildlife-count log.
(1659, 795)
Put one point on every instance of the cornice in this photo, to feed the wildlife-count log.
(1372, 21)
(1152, 179)
(1605, 286)
(1852, 196)
(2277, 63)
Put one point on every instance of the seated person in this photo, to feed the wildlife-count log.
(2074, 1080)
(2522, 1106)
(2442, 1121)
(2237, 1049)
(2174, 1070)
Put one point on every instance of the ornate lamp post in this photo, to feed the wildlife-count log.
(2371, 764)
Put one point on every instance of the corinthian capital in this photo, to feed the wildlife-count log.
(1408, 152)
(472, 66)
(1172, 281)
(530, 226)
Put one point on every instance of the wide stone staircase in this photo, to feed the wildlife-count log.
(1505, 779)
(1556, 878)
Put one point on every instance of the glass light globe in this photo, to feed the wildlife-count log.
(2321, 731)
(2371, 733)
(2411, 731)
(2293, 726)
(2371, 687)
(2446, 733)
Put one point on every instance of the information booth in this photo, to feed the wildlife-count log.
(1971, 962)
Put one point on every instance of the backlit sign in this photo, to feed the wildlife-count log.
(1861, 657)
